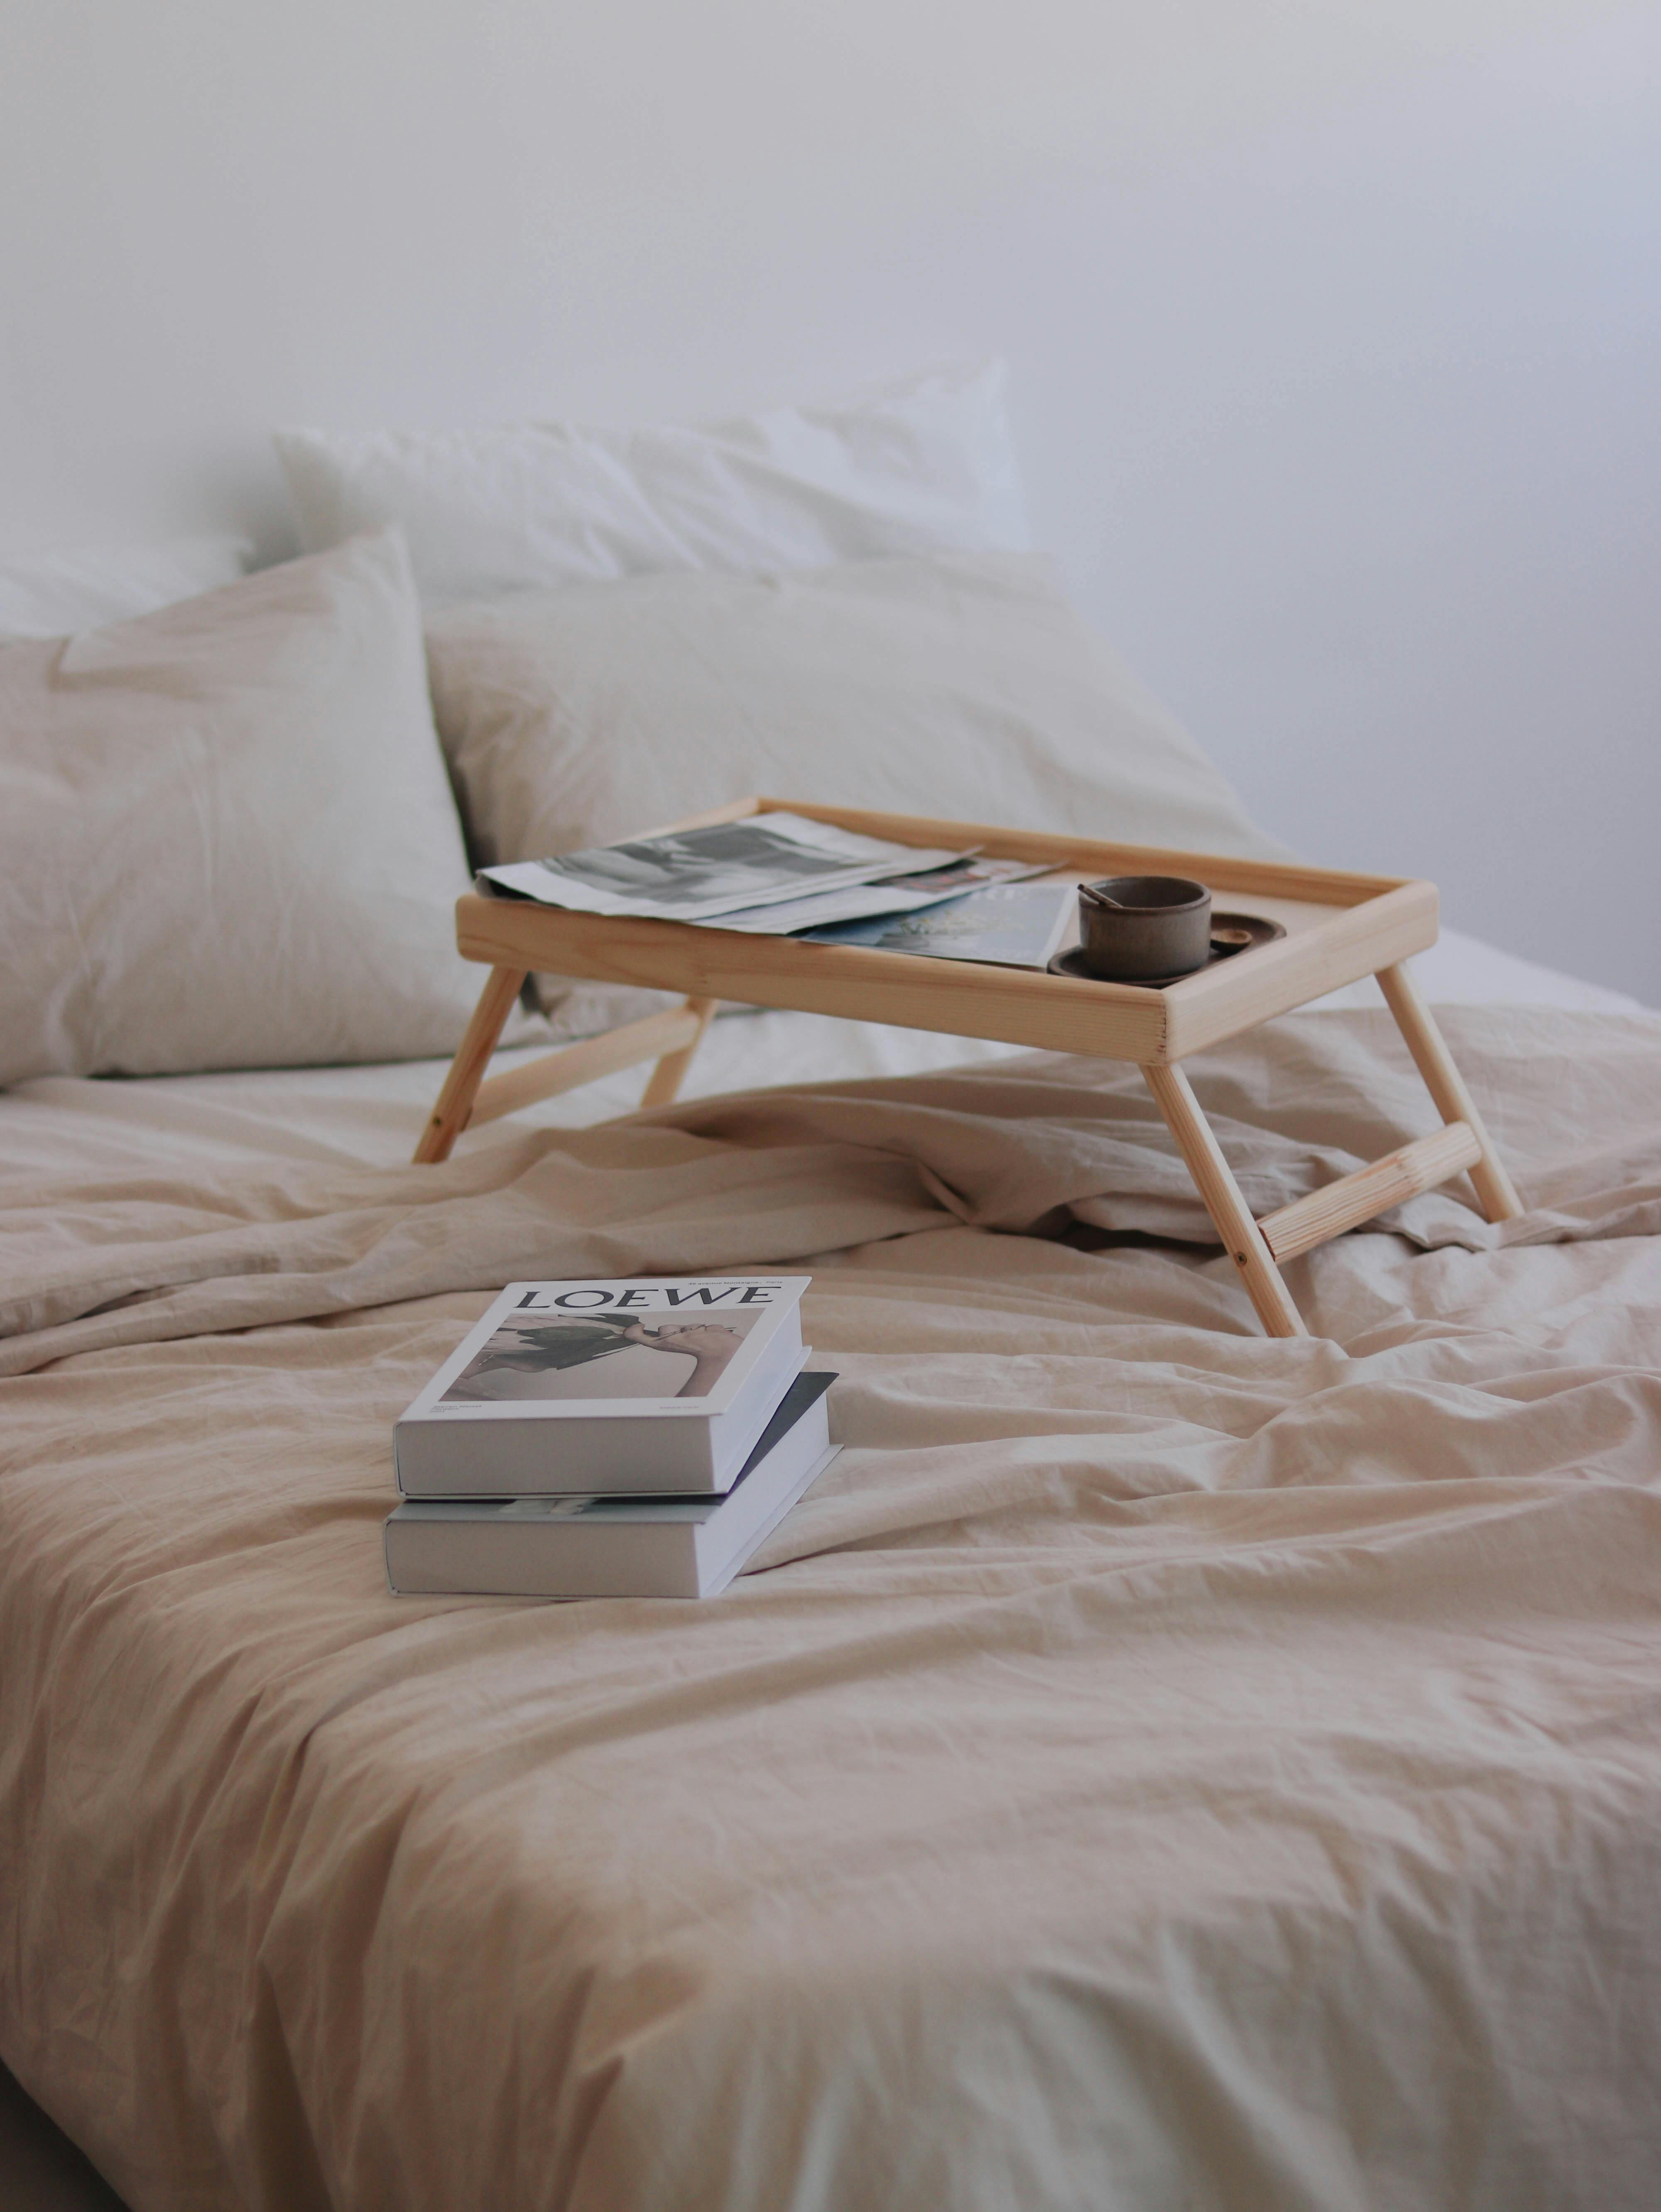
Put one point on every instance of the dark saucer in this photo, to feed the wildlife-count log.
(1230, 934)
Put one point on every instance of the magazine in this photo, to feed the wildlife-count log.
(694, 875)
(1005, 925)
(891, 894)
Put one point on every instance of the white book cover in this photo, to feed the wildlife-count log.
(655, 1383)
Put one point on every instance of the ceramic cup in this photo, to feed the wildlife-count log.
(1133, 926)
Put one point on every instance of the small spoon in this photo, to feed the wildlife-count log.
(1100, 898)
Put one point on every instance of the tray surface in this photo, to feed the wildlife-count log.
(1329, 927)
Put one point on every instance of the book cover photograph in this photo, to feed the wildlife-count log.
(599, 1355)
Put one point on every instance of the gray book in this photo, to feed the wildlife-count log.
(614, 1547)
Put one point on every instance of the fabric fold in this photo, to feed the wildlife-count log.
(761, 1178)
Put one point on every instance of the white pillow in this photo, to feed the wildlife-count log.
(922, 467)
(227, 837)
(50, 595)
(963, 685)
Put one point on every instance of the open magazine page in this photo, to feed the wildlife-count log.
(693, 875)
(1007, 925)
(892, 895)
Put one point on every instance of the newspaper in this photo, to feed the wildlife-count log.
(1007, 925)
(724, 868)
(894, 895)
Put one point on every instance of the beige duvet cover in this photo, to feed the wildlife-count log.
(1157, 1767)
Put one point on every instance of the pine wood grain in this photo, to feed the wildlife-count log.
(1494, 1188)
(1214, 1179)
(1371, 1190)
(1235, 995)
(1357, 923)
(450, 1116)
(737, 809)
(1117, 1021)
(671, 1071)
(675, 1030)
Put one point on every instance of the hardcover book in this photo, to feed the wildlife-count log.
(656, 1385)
(613, 1547)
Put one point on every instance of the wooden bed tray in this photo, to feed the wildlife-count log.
(1338, 927)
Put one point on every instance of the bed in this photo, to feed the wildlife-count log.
(1156, 1766)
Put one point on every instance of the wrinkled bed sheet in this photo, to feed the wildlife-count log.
(1156, 1766)
(363, 1113)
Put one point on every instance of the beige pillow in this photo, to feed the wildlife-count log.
(959, 684)
(227, 837)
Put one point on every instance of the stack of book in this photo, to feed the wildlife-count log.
(610, 1439)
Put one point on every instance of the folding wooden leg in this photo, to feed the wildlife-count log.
(1256, 1246)
(455, 1101)
(670, 1038)
(670, 1073)
(1242, 1238)
(574, 1064)
(1447, 1086)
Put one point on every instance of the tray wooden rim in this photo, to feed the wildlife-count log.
(1380, 920)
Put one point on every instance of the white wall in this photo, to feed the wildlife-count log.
(1333, 324)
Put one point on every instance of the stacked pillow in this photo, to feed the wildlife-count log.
(962, 685)
(226, 836)
(626, 628)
